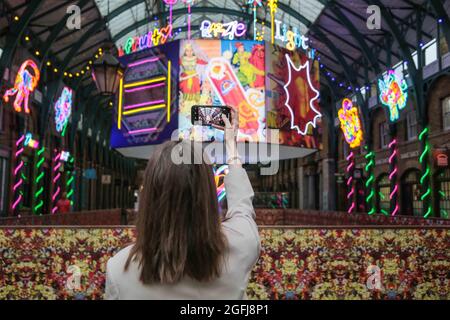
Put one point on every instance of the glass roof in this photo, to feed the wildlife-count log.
(136, 15)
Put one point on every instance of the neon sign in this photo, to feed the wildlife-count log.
(30, 142)
(151, 39)
(63, 109)
(230, 30)
(24, 84)
(317, 114)
(292, 38)
(350, 123)
(393, 94)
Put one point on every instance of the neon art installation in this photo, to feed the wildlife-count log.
(170, 3)
(17, 170)
(423, 137)
(189, 3)
(350, 123)
(219, 175)
(155, 37)
(292, 38)
(25, 83)
(370, 182)
(229, 31)
(294, 72)
(393, 196)
(57, 176)
(393, 94)
(39, 188)
(255, 4)
(273, 7)
(30, 142)
(350, 184)
(63, 109)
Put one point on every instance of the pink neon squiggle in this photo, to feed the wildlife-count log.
(391, 158)
(393, 173)
(349, 181)
(19, 152)
(15, 204)
(56, 193)
(145, 87)
(393, 142)
(351, 155)
(20, 166)
(20, 140)
(149, 104)
(54, 210)
(353, 207)
(57, 167)
(17, 185)
(396, 210)
(351, 193)
(393, 192)
(56, 178)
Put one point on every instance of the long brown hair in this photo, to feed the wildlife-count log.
(178, 225)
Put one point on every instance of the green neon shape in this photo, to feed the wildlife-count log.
(384, 212)
(39, 192)
(442, 194)
(425, 131)
(39, 177)
(371, 212)
(428, 213)
(69, 182)
(427, 173)
(424, 153)
(70, 194)
(40, 205)
(426, 195)
(444, 214)
(41, 151)
(369, 181)
(39, 164)
(381, 196)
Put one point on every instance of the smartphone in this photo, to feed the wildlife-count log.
(210, 115)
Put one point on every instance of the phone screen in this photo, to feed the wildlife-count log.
(210, 115)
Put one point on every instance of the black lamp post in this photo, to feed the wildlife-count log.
(107, 73)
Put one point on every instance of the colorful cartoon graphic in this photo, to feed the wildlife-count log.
(393, 94)
(63, 109)
(350, 123)
(214, 72)
(293, 93)
(24, 84)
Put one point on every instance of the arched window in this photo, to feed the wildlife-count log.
(411, 192)
(383, 191)
(443, 192)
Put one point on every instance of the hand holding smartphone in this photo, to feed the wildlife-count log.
(210, 115)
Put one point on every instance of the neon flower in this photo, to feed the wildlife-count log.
(393, 94)
(350, 123)
(63, 109)
(24, 84)
(292, 86)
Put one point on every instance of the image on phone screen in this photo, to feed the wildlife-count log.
(210, 115)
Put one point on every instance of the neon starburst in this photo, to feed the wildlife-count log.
(296, 72)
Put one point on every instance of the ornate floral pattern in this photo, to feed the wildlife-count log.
(309, 263)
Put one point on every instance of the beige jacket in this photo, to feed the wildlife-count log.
(241, 231)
